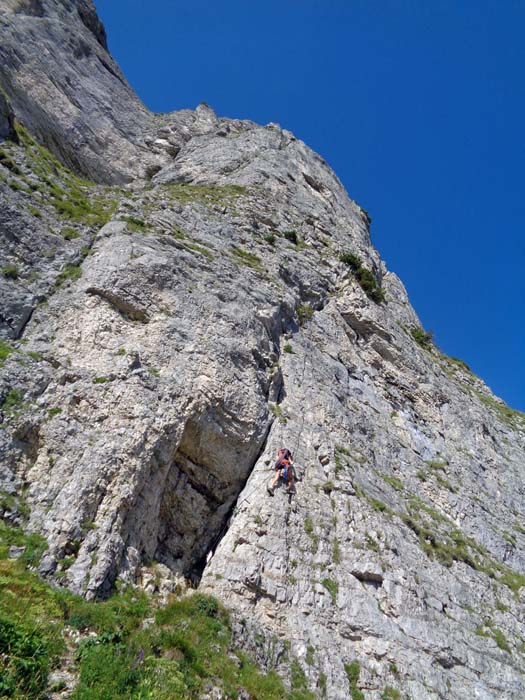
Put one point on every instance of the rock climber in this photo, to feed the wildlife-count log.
(283, 470)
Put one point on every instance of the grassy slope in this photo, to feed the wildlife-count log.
(131, 647)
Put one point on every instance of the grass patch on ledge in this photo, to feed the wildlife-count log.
(441, 539)
(508, 415)
(186, 647)
(72, 197)
(247, 259)
(204, 194)
(455, 362)
(196, 248)
(134, 224)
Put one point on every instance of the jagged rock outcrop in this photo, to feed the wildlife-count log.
(164, 338)
(68, 91)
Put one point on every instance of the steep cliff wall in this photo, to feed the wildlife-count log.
(163, 338)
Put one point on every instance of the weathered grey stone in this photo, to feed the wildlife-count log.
(154, 389)
(7, 128)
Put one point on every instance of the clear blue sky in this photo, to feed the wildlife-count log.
(419, 106)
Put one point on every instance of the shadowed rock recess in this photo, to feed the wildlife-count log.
(181, 294)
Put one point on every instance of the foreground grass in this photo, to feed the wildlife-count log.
(131, 649)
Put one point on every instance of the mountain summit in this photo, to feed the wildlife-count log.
(184, 294)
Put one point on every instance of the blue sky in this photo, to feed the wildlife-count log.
(418, 106)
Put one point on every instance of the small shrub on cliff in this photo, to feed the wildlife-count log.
(332, 587)
(422, 337)
(369, 285)
(364, 276)
(353, 261)
(305, 313)
(10, 272)
(291, 236)
(299, 684)
(12, 402)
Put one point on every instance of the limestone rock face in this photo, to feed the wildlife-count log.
(68, 91)
(7, 130)
(163, 338)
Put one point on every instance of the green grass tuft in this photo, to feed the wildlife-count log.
(69, 272)
(134, 224)
(195, 247)
(247, 259)
(12, 402)
(69, 233)
(208, 195)
(10, 272)
(332, 587)
(100, 380)
(305, 313)
(353, 672)
(5, 351)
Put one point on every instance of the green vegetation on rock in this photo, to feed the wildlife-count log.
(69, 272)
(247, 259)
(278, 413)
(423, 338)
(5, 351)
(69, 233)
(135, 224)
(204, 194)
(353, 671)
(508, 415)
(72, 197)
(10, 272)
(488, 630)
(196, 248)
(332, 587)
(364, 276)
(304, 313)
(185, 646)
(291, 236)
(12, 403)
